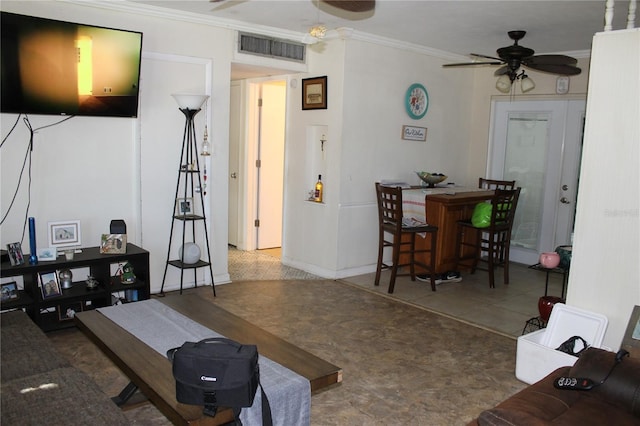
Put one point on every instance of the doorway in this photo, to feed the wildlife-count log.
(256, 164)
(538, 144)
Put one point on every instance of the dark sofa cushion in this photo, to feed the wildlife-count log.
(65, 396)
(621, 388)
(25, 350)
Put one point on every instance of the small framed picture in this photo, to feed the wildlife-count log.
(15, 254)
(64, 234)
(314, 93)
(10, 291)
(47, 253)
(49, 284)
(113, 243)
(184, 206)
(68, 311)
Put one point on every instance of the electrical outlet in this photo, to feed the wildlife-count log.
(107, 90)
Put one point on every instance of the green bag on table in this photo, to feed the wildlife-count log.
(481, 217)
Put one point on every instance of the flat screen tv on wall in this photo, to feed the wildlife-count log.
(63, 68)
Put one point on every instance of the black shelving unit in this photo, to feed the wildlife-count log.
(186, 188)
(49, 313)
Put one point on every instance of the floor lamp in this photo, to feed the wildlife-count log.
(189, 253)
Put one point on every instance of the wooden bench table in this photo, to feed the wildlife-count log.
(151, 373)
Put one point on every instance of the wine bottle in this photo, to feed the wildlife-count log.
(317, 196)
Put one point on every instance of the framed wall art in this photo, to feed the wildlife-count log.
(314, 93)
(64, 233)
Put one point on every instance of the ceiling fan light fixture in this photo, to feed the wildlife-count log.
(527, 84)
(503, 84)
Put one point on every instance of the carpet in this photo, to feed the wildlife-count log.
(401, 364)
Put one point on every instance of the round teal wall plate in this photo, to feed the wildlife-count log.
(416, 101)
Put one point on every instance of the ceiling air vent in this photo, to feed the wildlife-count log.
(273, 48)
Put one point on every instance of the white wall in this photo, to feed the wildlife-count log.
(90, 168)
(605, 266)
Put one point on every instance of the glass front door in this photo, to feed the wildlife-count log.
(537, 144)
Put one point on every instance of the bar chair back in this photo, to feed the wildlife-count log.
(490, 184)
(400, 235)
(495, 240)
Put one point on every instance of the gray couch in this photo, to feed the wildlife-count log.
(39, 386)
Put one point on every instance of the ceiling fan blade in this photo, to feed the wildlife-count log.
(485, 56)
(550, 60)
(353, 5)
(561, 69)
(467, 64)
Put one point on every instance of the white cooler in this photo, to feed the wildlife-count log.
(536, 354)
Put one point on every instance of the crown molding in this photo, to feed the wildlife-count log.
(344, 33)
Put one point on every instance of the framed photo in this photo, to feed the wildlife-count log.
(47, 253)
(314, 93)
(15, 254)
(64, 234)
(49, 284)
(68, 311)
(113, 243)
(9, 291)
(184, 206)
(631, 340)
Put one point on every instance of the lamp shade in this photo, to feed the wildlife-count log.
(186, 101)
(527, 84)
(503, 83)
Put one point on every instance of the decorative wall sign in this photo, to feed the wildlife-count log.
(413, 133)
(416, 101)
(314, 93)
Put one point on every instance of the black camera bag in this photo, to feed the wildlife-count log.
(218, 372)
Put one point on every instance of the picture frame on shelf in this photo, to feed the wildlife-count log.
(9, 291)
(47, 253)
(113, 243)
(68, 311)
(631, 339)
(15, 253)
(64, 233)
(49, 284)
(314, 93)
(184, 206)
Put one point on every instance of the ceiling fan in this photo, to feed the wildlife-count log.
(513, 57)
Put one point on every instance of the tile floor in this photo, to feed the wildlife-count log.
(504, 309)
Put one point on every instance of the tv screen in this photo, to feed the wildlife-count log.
(64, 68)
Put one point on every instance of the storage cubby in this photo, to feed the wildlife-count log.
(50, 313)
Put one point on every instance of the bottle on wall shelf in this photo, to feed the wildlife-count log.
(317, 196)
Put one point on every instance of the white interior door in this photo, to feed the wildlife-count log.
(271, 164)
(538, 144)
(234, 163)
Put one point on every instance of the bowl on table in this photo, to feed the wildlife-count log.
(431, 179)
